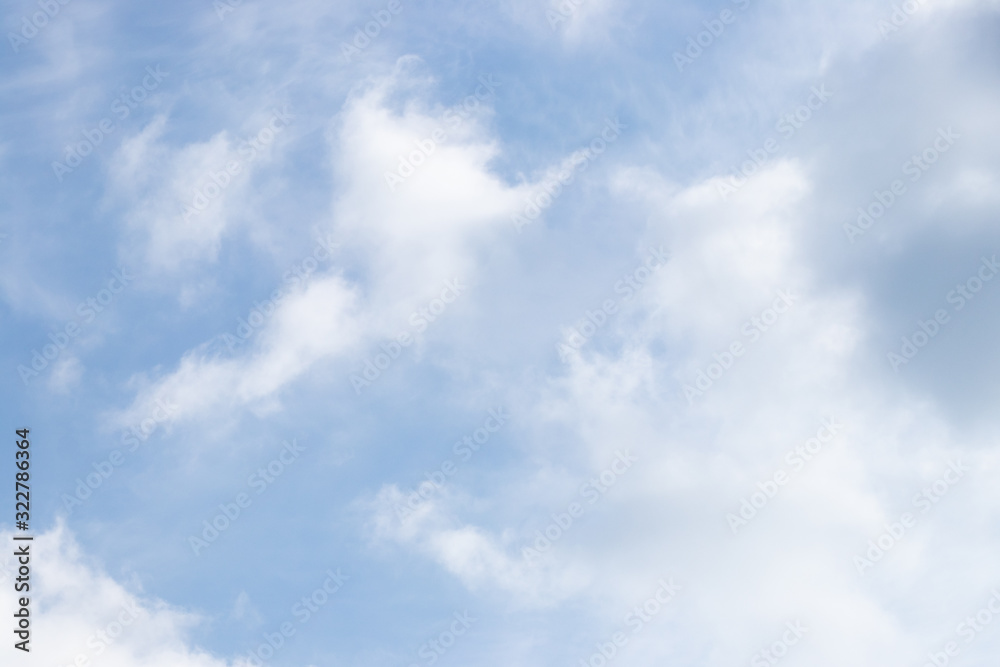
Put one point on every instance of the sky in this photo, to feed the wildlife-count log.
(560, 332)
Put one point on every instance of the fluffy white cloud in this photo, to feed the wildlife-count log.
(314, 323)
(411, 238)
(80, 613)
(795, 558)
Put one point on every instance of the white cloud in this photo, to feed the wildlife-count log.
(478, 559)
(795, 558)
(312, 324)
(574, 22)
(410, 241)
(182, 202)
(65, 375)
(78, 610)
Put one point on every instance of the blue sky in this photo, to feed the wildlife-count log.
(197, 220)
